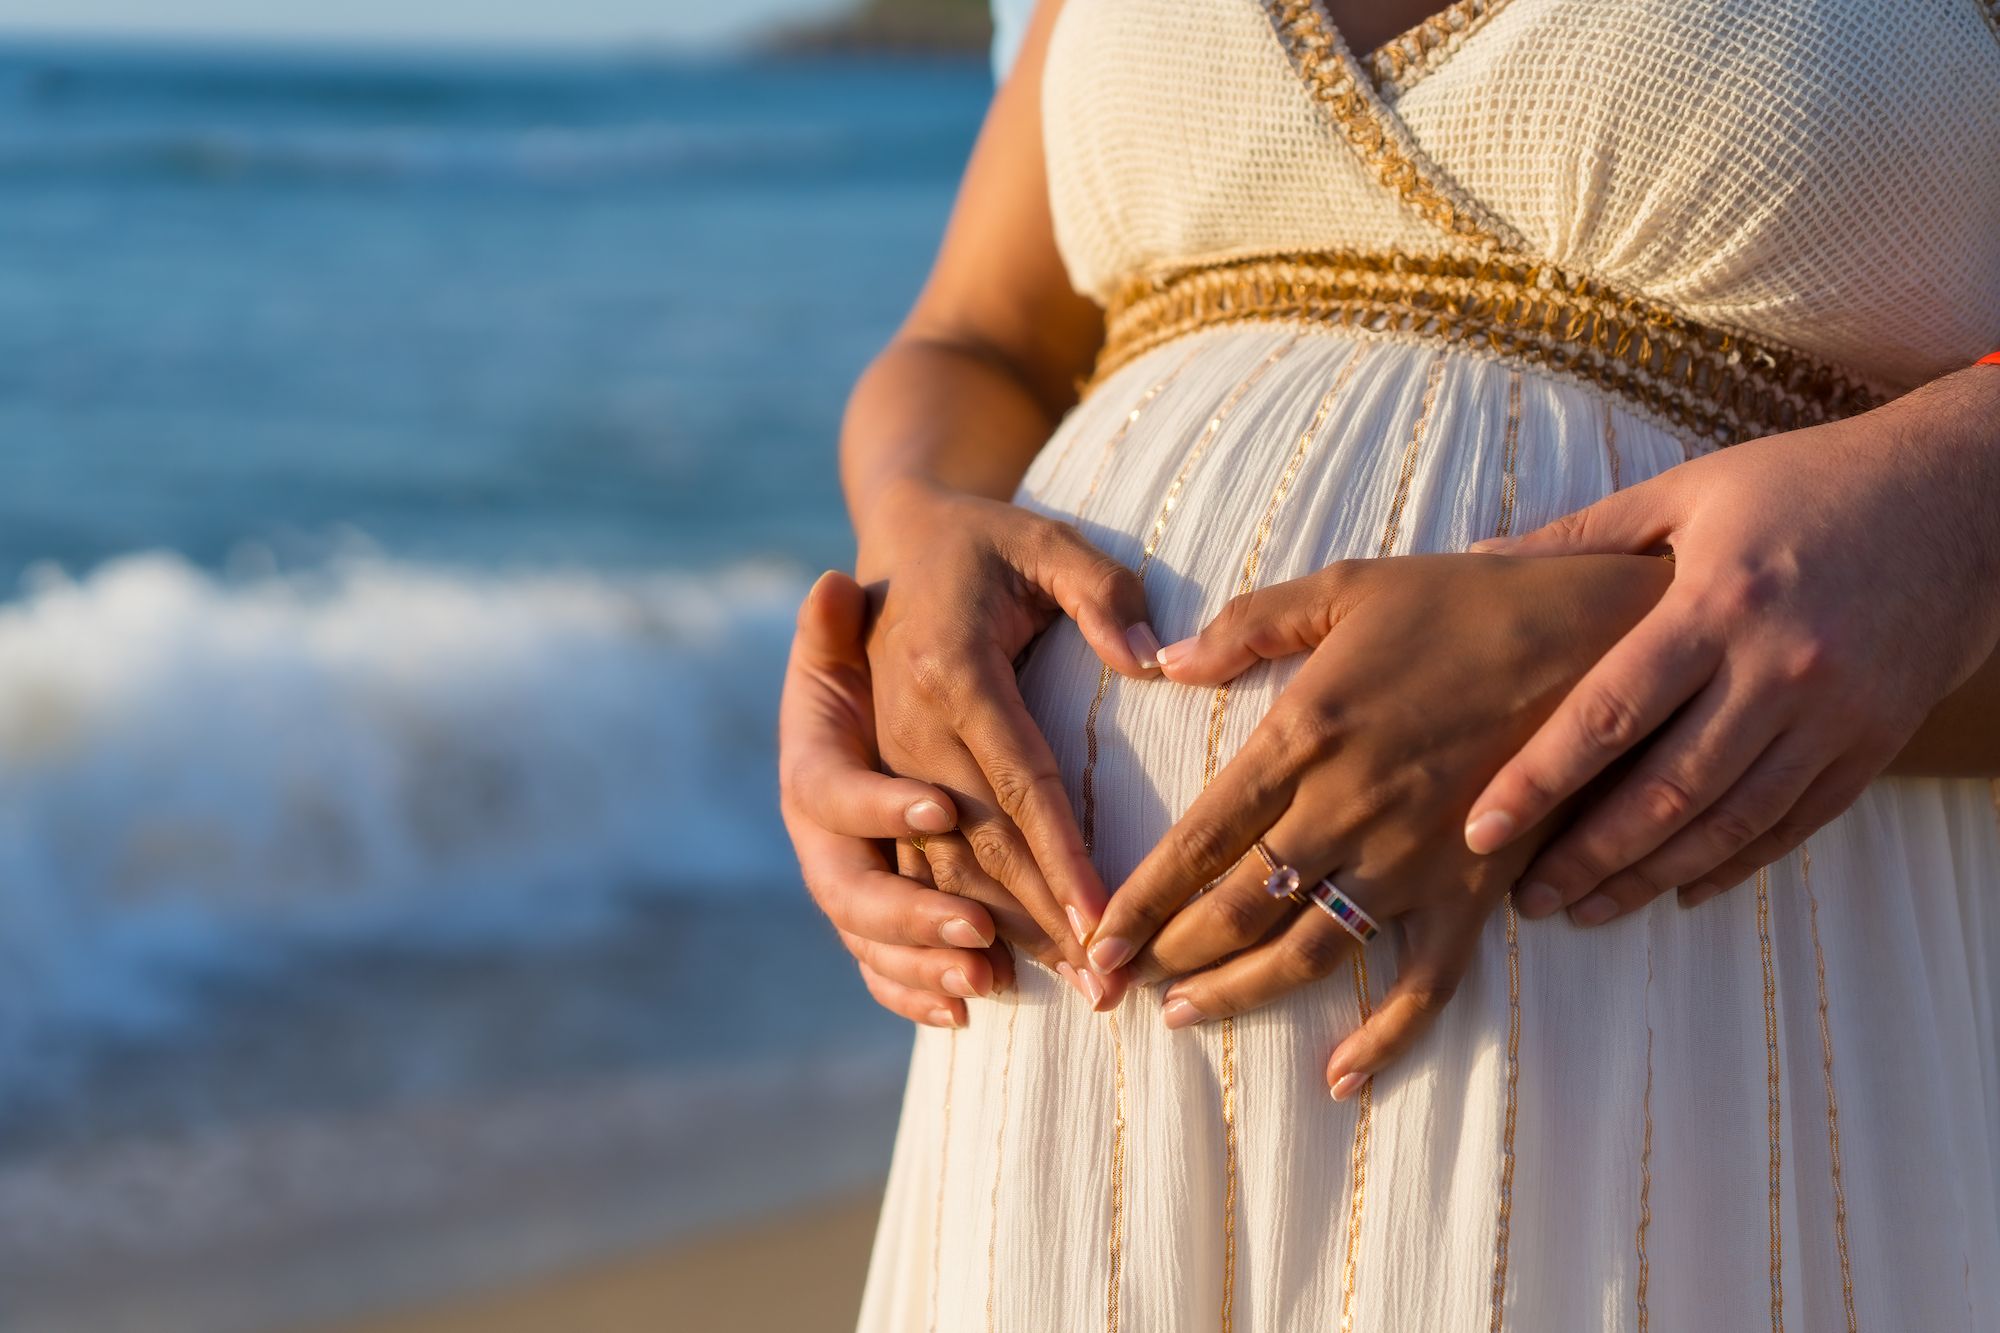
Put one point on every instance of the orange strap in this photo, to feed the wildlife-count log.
(1992, 360)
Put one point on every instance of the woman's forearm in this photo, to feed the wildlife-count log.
(932, 413)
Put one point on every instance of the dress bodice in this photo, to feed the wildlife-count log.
(1820, 174)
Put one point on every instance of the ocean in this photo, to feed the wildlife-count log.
(413, 462)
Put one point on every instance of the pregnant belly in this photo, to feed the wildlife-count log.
(1242, 457)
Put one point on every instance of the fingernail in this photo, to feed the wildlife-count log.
(1077, 926)
(1173, 652)
(1180, 1013)
(1593, 911)
(1145, 644)
(962, 934)
(957, 983)
(1347, 1085)
(1489, 831)
(1070, 974)
(1111, 953)
(1538, 900)
(944, 1018)
(927, 816)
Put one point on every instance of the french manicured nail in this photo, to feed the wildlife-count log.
(962, 934)
(1593, 911)
(1175, 651)
(1538, 900)
(1111, 953)
(1078, 925)
(1069, 974)
(927, 816)
(1145, 644)
(957, 983)
(1347, 1085)
(944, 1017)
(1180, 1013)
(1489, 831)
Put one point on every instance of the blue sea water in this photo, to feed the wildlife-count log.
(411, 466)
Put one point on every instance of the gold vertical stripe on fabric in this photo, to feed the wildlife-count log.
(1088, 786)
(1229, 1170)
(1112, 1287)
(1194, 455)
(1832, 1103)
(1772, 1072)
(1357, 1160)
(1510, 456)
(1611, 449)
(1246, 581)
(1000, 1161)
(1504, 1224)
(1110, 450)
(1410, 454)
(1354, 106)
(1645, 1318)
(944, 1162)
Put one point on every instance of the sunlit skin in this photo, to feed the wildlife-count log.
(1832, 614)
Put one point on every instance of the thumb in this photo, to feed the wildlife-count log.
(830, 625)
(1105, 599)
(1279, 621)
(1629, 522)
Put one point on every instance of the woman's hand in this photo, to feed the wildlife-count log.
(1426, 672)
(966, 583)
(1834, 584)
(919, 950)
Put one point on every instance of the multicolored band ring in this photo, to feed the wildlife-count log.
(1326, 895)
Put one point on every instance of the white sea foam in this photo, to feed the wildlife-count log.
(195, 770)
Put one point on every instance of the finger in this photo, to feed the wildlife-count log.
(1627, 522)
(964, 973)
(1278, 621)
(1437, 951)
(848, 879)
(1758, 800)
(919, 1006)
(1682, 775)
(1242, 909)
(1105, 599)
(826, 728)
(1215, 834)
(1662, 663)
(957, 872)
(1306, 949)
(1020, 771)
(1830, 794)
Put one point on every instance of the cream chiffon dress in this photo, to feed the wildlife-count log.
(1528, 253)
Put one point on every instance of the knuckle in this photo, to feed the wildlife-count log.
(1017, 786)
(935, 670)
(1609, 721)
(994, 849)
(1316, 953)
(1301, 738)
(1730, 828)
(1200, 848)
(1239, 920)
(1429, 997)
(1668, 799)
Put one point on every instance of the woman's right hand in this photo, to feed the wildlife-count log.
(964, 584)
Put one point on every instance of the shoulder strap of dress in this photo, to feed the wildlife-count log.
(1347, 94)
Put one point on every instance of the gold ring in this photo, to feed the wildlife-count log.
(917, 841)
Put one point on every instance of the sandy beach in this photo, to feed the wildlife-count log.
(719, 1282)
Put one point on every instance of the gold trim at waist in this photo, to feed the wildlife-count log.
(1721, 386)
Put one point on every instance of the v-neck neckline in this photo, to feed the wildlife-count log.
(1422, 47)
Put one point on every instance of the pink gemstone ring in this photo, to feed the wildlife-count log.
(1284, 881)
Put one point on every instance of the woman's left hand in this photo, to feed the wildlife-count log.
(1426, 672)
(1834, 584)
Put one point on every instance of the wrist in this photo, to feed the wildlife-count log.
(896, 511)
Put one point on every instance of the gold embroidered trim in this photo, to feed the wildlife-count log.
(1832, 1105)
(1646, 1155)
(1772, 1074)
(1401, 61)
(1337, 81)
(944, 1163)
(1357, 1159)
(1720, 386)
(1228, 1322)
(999, 1161)
(1088, 785)
(1503, 1226)
(1117, 1228)
(1402, 498)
